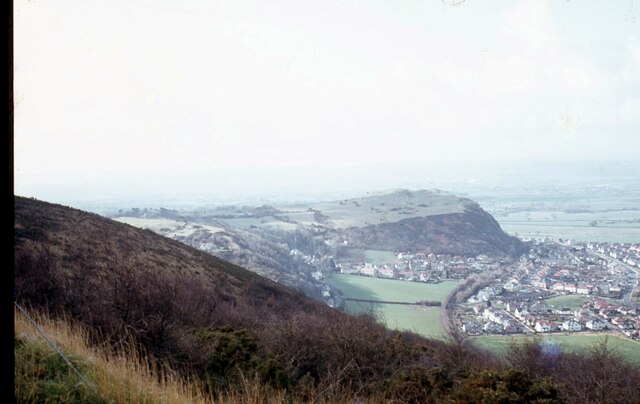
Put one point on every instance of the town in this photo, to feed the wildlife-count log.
(557, 287)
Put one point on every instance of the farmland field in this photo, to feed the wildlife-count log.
(422, 320)
(380, 257)
(625, 347)
(615, 226)
(570, 301)
(362, 287)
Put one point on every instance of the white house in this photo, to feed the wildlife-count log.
(543, 326)
(595, 324)
(583, 289)
(571, 325)
(471, 328)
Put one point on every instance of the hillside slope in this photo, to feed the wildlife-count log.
(229, 329)
(112, 274)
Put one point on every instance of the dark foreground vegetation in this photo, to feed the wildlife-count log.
(223, 325)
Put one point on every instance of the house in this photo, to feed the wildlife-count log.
(623, 323)
(521, 314)
(539, 308)
(564, 310)
(512, 285)
(471, 328)
(492, 328)
(600, 304)
(615, 289)
(514, 307)
(368, 270)
(595, 324)
(630, 311)
(603, 288)
(609, 313)
(571, 325)
(543, 326)
(479, 308)
(530, 320)
(583, 289)
(511, 327)
(385, 273)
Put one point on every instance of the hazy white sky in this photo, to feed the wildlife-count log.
(169, 96)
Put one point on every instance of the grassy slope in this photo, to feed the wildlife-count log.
(42, 375)
(73, 236)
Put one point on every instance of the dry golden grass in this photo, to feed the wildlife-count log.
(123, 377)
(127, 375)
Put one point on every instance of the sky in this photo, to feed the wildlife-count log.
(197, 98)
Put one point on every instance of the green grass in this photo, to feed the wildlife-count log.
(391, 290)
(424, 321)
(627, 348)
(421, 320)
(41, 375)
(614, 226)
(570, 301)
(380, 257)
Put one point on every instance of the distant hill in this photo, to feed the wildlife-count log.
(402, 220)
(297, 245)
(469, 233)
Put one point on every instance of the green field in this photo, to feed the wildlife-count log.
(570, 301)
(615, 226)
(421, 320)
(390, 290)
(624, 347)
(380, 257)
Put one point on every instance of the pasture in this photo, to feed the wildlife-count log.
(626, 348)
(390, 290)
(621, 226)
(380, 257)
(420, 320)
(425, 321)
